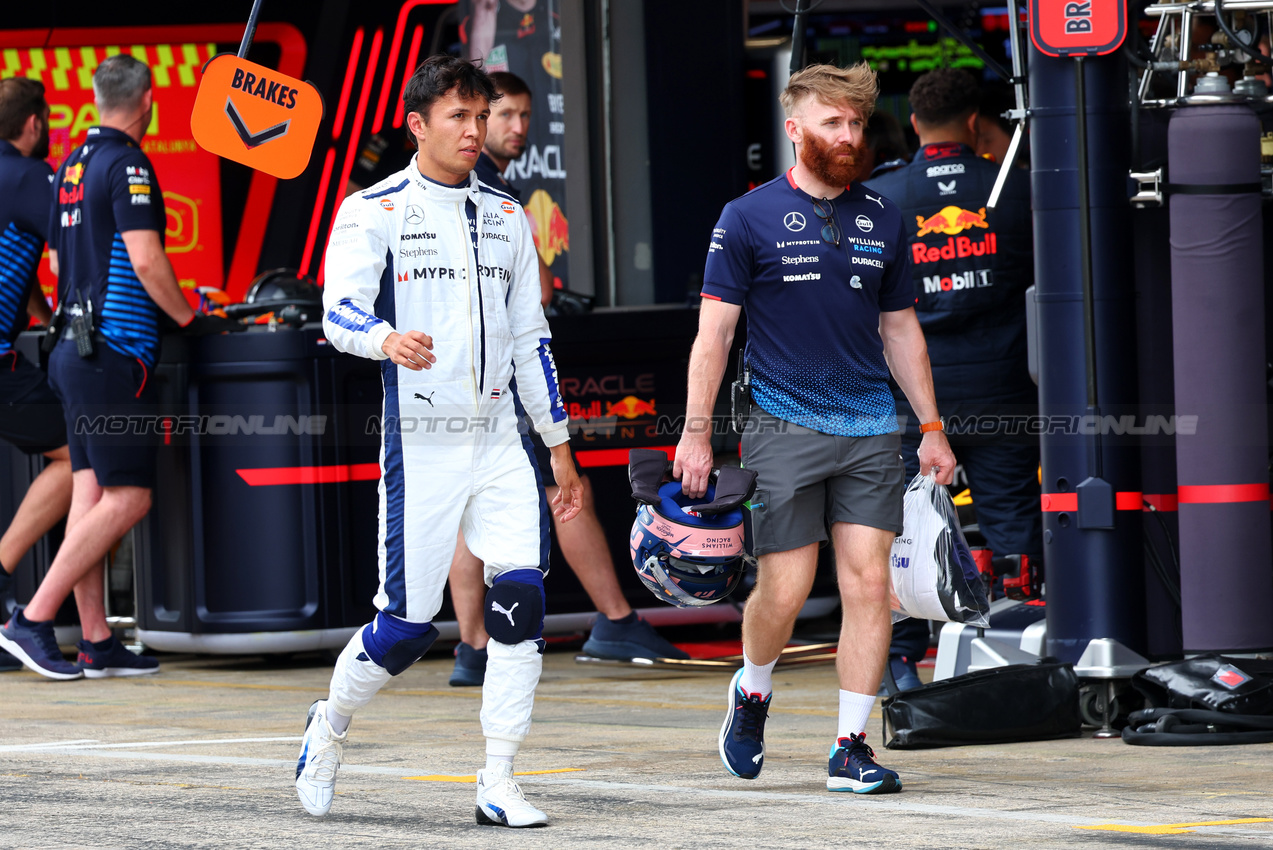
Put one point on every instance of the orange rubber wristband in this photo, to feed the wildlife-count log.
(932, 426)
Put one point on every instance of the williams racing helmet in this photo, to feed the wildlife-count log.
(688, 552)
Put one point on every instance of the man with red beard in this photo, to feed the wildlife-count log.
(823, 270)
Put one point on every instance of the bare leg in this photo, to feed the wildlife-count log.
(99, 517)
(861, 560)
(583, 543)
(468, 594)
(783, 583)
(46, 501)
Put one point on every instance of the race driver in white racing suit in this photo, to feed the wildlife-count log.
(434, 274)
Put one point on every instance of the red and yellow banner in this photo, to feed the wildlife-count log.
(189, 176)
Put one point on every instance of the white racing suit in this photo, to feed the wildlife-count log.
(458, 264)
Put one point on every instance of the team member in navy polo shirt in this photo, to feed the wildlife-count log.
(30, 415)
(970, 268)
(823, 271)
(106, 243)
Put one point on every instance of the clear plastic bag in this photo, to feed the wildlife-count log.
(933, 573)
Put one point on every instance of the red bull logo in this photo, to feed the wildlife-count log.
(548, 226)
(951, 221)
(630, 407)
(74, 174)
(956, 247)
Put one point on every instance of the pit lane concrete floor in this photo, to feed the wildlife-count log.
(203, 755)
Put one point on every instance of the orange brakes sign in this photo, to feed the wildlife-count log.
(255, 115)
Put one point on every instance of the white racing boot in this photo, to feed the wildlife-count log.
(500, 801)
(320, 759)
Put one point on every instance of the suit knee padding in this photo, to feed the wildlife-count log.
(515, 609)
(396, 644)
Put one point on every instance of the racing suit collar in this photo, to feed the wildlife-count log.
(441, 191)
(943, 150)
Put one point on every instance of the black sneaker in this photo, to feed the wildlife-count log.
(623, 641)
(114, 660)
(852, 767)
(35, 646)
(470, 667)
(742, 738)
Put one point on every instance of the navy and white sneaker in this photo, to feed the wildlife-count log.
(319, 760)
(35, 645)
(742, 738)
(620, 640)
(852, 767)
(470, 667)
(500, 801)
(114, 660)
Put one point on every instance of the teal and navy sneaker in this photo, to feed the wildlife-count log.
(852, 767)
(742, 738)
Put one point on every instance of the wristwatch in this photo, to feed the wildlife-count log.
(939, 425)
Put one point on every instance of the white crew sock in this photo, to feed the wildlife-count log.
(493, 762)
(337, 721)
(854, 711)
(757, 678)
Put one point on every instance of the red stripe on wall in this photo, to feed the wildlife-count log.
(589, 458)
(1203, 494)
(1127, 500)
(412, 56)
(338, 124)
(317, 216)
(338, 474)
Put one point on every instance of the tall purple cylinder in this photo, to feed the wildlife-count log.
(1217, 301)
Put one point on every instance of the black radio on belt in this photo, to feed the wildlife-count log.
(79, 328)
(740, 395)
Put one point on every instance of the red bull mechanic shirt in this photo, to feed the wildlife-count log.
(970, 268)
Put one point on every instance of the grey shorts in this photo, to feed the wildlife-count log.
(807, 480)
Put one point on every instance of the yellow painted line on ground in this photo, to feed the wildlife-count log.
(1171, 828)
(444, 778)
